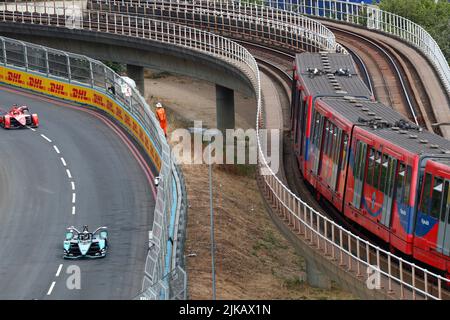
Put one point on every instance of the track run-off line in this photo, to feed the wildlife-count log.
(72, 184)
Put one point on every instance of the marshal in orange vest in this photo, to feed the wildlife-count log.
(161, 115)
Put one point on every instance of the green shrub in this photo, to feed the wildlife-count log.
(432, 15)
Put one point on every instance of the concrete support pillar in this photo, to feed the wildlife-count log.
(137, 74)
(315, 277)
(224, 108)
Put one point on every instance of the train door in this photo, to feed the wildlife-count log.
(342, 165)
(389, 167)
(358, 172)
(326, 143)
(402, 195)
(336, 157)
(429, 212)
(443, 243)
(316, 141)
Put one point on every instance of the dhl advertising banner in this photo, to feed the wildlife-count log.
(82, 95)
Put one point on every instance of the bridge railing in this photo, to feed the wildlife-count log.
(289, 14)
(403, 279)
(372, 17)
(62, 68)
(237, 19)
(283, 27)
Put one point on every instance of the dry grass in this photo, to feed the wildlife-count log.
(253, 260)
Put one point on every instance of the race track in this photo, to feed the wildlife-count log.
(97, 182)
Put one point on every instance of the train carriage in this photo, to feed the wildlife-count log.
(319, 75)
(398, 185)
(432, 230)
(376, 167)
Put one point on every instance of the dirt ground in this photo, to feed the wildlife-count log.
(195, 99)
(253, 259)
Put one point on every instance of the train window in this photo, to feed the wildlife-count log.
(426, 194)
(356, 159)
(337, 144)
(316, 131)
(371, 166)
(344, 151)
(320, 130)
(377, 170)
(391, 177)
(401, 181)
(445, 202)
(362, 161)
(384, 173)
(356, 193)
(436, 197)
(331, 140)
(407, 185)
(325, 135)
(314, 125)
(327, 130)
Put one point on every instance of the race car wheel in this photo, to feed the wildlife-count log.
(34, 120)
(6, 122)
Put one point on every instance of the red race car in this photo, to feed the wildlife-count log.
(19, 117)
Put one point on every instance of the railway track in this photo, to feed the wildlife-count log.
(395, 81)
(281, 61)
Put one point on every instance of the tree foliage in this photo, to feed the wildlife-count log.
(115, 66)
(433, 15)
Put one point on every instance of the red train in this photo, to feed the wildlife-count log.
(374, 165)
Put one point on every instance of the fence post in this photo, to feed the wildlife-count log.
(69, 72)
(91, 73)
(25, 56)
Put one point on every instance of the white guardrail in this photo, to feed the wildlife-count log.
(237, 18)
(401, 278)
(290, 14)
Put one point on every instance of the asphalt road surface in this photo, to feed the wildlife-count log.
(72, 170)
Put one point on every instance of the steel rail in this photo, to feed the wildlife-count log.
(393, 64)
(373, 18)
